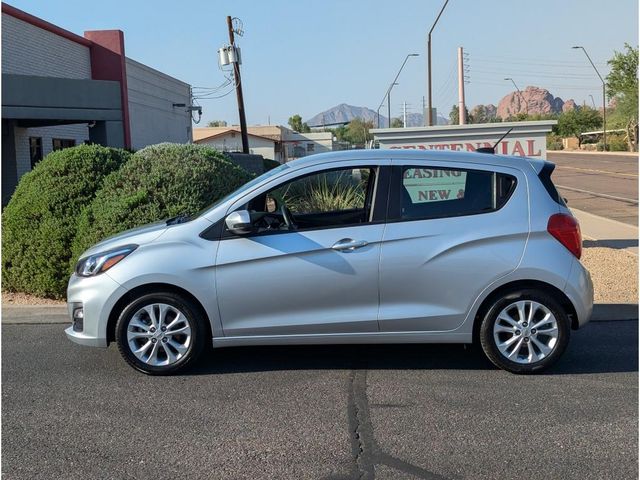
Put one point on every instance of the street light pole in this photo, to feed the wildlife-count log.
(429, 61)
(380, 106)
(604, 98)
(388, 94)
(526, 104)
(593, 101)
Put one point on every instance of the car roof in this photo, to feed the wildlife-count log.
(419, 155)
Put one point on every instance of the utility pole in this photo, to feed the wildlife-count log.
(236, 74)
(404, 114)
(461, 108)
(389, 103)
(430, 123)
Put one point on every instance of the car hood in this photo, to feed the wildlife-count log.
(138, 236)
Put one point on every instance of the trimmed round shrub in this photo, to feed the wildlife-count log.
(269, 164)
(40, 221)
(159, 181)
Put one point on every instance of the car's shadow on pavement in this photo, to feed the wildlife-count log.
(600, 347)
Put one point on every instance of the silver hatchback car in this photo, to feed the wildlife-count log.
(370, 246)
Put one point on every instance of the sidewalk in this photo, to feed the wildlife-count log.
(580, 152)
(607, 232)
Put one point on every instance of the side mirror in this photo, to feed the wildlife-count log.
(239, 222)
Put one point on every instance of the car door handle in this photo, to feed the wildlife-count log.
(349, 244)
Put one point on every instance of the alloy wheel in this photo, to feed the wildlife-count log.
(525, 332)
(159, 334)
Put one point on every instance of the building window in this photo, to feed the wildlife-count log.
(310, 147)
(35, 150)
(60, 143)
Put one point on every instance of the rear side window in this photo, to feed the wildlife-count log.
(444, 192)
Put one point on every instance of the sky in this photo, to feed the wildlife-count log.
(305, 57)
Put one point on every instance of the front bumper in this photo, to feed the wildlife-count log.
(82, 339)
(97, 295)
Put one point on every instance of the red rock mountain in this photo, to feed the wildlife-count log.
(532, 100)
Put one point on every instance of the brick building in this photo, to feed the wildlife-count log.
(60, 89)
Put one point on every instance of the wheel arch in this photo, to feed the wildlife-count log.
(558, 294)
(125, 299)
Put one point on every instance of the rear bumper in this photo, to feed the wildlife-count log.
(579, 289)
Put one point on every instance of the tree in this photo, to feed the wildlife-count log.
(217, 123)
(397, 123)
(622, 86)
(573, 123)
(454, 115)
(481, 114)
(296, 124)
(357, 132)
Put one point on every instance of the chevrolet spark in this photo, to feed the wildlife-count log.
(371, 246)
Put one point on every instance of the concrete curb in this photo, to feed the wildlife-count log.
(614, 312)
(57, 314)
(34, 314)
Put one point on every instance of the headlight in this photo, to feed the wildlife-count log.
(103, 261)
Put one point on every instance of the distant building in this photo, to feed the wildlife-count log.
(61, 89)
(302, 144)
(228, 139)
(274, 142)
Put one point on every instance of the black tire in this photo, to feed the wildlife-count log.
(193, 318)
(488, 342)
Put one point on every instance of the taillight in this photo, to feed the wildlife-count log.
(566, 230)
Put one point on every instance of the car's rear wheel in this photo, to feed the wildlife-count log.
(160, 333)
(525, 331)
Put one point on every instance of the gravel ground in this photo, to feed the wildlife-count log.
(13, 298)
(614, 274)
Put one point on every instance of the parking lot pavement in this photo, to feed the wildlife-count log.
(415, 411)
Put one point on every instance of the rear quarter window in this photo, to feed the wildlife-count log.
(446, 192)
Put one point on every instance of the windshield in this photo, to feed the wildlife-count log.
(244, 188)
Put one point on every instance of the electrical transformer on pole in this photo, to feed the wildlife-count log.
(234, 57)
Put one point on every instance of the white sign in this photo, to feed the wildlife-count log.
(524, 147)
(433, 185)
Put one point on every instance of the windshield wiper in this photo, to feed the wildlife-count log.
(182, 218)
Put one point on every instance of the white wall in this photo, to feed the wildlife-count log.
(152, 116)
(232, 142)
(78, 132)
(321, 142)
(29, 50)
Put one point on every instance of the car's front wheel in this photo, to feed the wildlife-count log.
(525, 331)
(160, 333)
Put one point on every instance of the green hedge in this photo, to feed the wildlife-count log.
(158, 182)
(40, 221)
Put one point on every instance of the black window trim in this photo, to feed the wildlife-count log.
(394, 213)
(380, 196)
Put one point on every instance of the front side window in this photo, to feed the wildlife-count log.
(447, 192)
(331, 198)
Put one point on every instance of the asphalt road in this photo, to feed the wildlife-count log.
(605, 184)
(429, 412)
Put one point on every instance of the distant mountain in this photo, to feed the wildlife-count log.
(344, 113)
